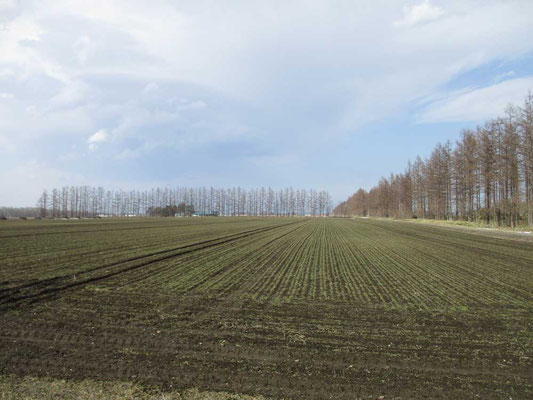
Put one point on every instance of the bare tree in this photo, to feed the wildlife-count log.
(487, 176)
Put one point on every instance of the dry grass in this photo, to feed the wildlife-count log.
(467, 224)
(25, 388)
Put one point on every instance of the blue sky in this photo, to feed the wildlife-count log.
(324, 94)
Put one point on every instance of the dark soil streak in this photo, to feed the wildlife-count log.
(11, 298)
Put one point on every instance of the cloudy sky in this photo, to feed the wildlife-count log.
(327, 94)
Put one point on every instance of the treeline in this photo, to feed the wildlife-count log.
(486, 176)
(18, 212)
(182, 210)
(87, 201)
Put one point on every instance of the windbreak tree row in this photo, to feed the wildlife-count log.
(87, 201)
(486, 176)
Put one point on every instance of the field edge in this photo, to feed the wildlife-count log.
(33, 387)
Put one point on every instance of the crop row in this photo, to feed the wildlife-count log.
(281, 260)
(345, 261)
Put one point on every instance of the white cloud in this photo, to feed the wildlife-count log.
(7, 4)
(478, 104)
(419, 13)
(98, 137)
(71, 94)
(181, 75)
(261, 53)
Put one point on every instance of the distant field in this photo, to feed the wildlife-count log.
(287, 307)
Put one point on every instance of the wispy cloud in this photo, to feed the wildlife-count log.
(477, 104)
(178, 79)
(419, 13)
(98, 137)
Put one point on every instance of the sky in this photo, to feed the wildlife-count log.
(323, 94)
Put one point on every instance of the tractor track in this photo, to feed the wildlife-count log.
(48, 287)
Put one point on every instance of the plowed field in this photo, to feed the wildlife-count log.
(290, 307)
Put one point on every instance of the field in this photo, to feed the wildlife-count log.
(285, 308)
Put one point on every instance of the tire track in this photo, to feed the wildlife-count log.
(76, 274)
(245, 256)
(47, 286)
(166, 267)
